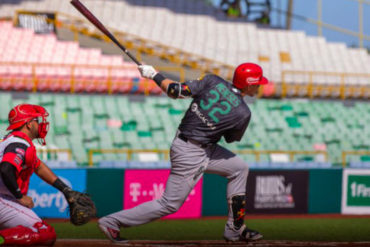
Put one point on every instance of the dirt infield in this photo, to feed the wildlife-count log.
(203, 243)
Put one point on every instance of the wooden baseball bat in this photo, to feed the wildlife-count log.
(95, 21)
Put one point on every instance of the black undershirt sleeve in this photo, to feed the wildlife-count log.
(8, 174)
(62, 187)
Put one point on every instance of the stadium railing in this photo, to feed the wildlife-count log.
(363, 153)
(54, 154)
(257, 153)
(39, 77)
(349, 85)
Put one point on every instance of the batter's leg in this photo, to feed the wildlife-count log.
(177, 190)
(227, 164)
(188, 162)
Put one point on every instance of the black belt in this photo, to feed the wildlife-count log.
(185, 139)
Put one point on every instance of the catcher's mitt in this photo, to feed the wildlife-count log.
(81, 207)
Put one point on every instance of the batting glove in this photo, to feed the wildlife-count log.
(147, 71)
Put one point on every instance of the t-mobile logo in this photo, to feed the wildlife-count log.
(135, 191)
(158, 190)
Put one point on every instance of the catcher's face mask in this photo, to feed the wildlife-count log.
(24, 113)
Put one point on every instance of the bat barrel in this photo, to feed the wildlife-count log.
(95, 21)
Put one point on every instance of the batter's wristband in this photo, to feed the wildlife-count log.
(158, 78)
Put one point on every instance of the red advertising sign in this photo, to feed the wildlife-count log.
(146, 185)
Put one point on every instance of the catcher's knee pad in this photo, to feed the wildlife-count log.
(40, 233)
(237, 207)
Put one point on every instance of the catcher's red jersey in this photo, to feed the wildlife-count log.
(17, 149)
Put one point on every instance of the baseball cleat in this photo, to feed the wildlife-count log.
(242, 234)
(250, 235)
(112, 234)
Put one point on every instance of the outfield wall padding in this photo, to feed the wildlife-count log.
(325, 191)
(214, 195)
(106, 189)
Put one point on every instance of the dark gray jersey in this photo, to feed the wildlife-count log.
(217, 110)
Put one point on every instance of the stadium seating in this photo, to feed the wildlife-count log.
(199, 29)
(93, 122)
(87, 124)
(30, 62)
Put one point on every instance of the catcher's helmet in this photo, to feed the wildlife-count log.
(23, 113)
(248, 74)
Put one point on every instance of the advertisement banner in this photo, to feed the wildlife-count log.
(39, 22)
(146, 185)
(277, 192)
(356, 191)
(49, 202)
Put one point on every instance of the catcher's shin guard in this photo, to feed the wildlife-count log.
(39, 234)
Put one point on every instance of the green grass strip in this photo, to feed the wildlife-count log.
(318, 229)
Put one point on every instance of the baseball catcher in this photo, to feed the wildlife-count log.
(19, 224)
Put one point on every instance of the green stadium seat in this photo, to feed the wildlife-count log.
(129, 126)
(365, 158)
(293, 122)
(80, 123)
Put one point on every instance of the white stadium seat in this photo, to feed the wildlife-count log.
(196, 28)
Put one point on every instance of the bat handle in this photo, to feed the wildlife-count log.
(133, 58)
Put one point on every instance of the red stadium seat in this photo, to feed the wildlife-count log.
(5, 83)
(120, 81)
(80, 79)
(100, 79)
(42, 78)
(64, 78)
(26, 82)
(40, 59)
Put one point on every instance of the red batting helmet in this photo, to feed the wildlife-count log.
(248, 74)
(23, 113)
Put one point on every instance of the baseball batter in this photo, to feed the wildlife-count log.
(217, 110)
(19, 225)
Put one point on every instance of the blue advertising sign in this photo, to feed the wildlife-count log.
(49, 202)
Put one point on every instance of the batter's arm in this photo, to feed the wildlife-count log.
(236, 133)
(171, 88)
(165, 83)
